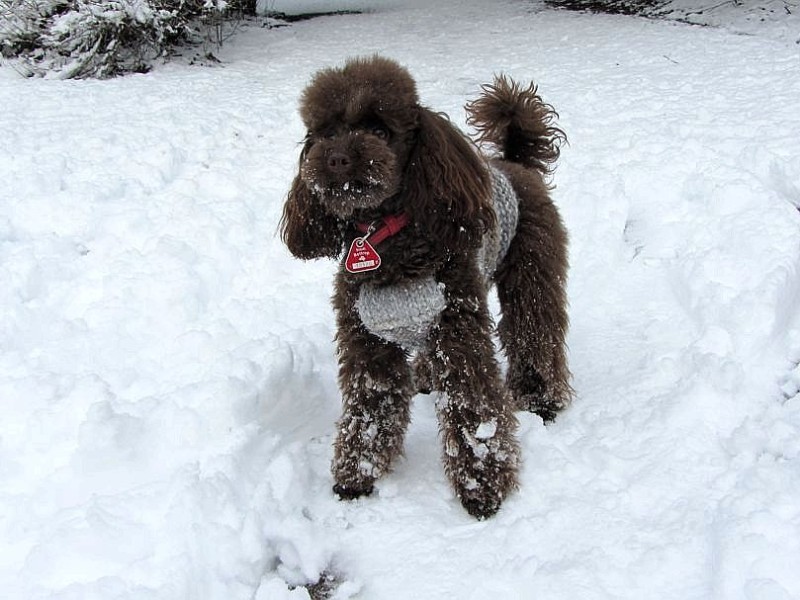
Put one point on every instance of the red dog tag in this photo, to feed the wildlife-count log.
(361, 257)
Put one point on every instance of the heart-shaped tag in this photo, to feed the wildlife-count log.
(361, 257)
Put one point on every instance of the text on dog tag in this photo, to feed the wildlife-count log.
(361, 257)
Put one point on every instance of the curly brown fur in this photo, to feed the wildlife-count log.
(531, 286)
(373, 151)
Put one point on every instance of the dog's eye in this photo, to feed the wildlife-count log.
(322, 134)
(380, 133)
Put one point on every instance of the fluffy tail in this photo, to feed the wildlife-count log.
(518, 123)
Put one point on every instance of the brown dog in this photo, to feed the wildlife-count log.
(424, 226)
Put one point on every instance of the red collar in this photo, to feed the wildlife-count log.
(392, 224)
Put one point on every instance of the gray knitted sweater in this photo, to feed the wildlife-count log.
(404, 313)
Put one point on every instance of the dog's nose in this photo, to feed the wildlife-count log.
(338, 162)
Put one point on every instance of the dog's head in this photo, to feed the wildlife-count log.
(369, 141)
(360, 120)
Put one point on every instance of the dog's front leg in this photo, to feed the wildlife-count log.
(376, 385)
(476, 417)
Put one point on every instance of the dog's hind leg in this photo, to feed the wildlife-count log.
(376, 384)
(531, 288)
(476, 418)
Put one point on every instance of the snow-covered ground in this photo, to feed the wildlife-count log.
(167, 375)
(778, 19)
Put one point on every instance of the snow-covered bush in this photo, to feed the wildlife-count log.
(21, 22)
(97, 38)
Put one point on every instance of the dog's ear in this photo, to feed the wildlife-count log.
(306, 228)
(447, 184)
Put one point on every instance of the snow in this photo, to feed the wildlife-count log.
(486, 430)
(168, 379)
(778, 19)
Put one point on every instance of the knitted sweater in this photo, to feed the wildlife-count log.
(404, 313)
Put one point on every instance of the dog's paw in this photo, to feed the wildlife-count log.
(351, 493)
(481, 508)
(482, 485)
(547, 408)
(548, 415)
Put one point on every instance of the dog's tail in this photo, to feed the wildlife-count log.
(518, 123)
